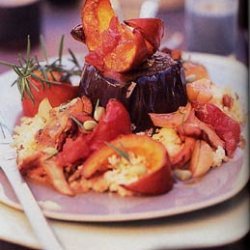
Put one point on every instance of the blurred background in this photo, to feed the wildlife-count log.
(190, 24)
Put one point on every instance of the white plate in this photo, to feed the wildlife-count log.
(196, 230)
(217, 186)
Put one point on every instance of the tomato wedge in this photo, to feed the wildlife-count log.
(56, 94)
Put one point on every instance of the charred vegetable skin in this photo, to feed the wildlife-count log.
(123, 63)
(156, 87)
(157, 179)
(114, 46)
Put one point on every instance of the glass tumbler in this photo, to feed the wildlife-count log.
(211, 25)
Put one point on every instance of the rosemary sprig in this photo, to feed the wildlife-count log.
(60, 52)
(28, 65)
(44, 49)
(51, 152)
(119, 151)
(74, 59)
(28, 59)
(2, 130)
(7, 64)
(43, 80)
(76, 121)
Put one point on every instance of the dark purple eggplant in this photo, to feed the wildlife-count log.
(157, 86)
(78, 34)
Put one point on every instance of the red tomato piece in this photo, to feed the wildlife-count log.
(56, 94)
(115, 122)
(225, 127)
(74, 150)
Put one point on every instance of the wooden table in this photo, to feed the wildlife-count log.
(59, 21)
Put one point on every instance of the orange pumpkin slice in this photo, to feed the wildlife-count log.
(156, 176)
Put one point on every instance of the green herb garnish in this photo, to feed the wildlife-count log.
(51, 152)
(28, 66)
(119, 151)
(2, 130)
(76, 121)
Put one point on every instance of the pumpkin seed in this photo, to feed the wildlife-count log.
(182, 174)
(89, 125)
(99, 111)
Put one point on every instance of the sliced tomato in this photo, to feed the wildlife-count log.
(115, 122)
(56, 94)
(224, 126)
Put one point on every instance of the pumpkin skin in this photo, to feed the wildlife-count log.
(114, 46)
(158, 178)
(123, 63)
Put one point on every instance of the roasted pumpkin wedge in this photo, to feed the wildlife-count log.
(135, 162)
(115, 46)
(96, 17)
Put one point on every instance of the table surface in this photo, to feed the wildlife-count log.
(58, 21)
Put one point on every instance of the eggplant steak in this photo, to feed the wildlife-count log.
(157, 86)
(124, 63)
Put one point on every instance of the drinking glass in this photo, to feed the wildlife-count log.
(211, 25)
(18, 19)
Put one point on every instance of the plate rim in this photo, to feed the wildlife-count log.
(150, 214)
